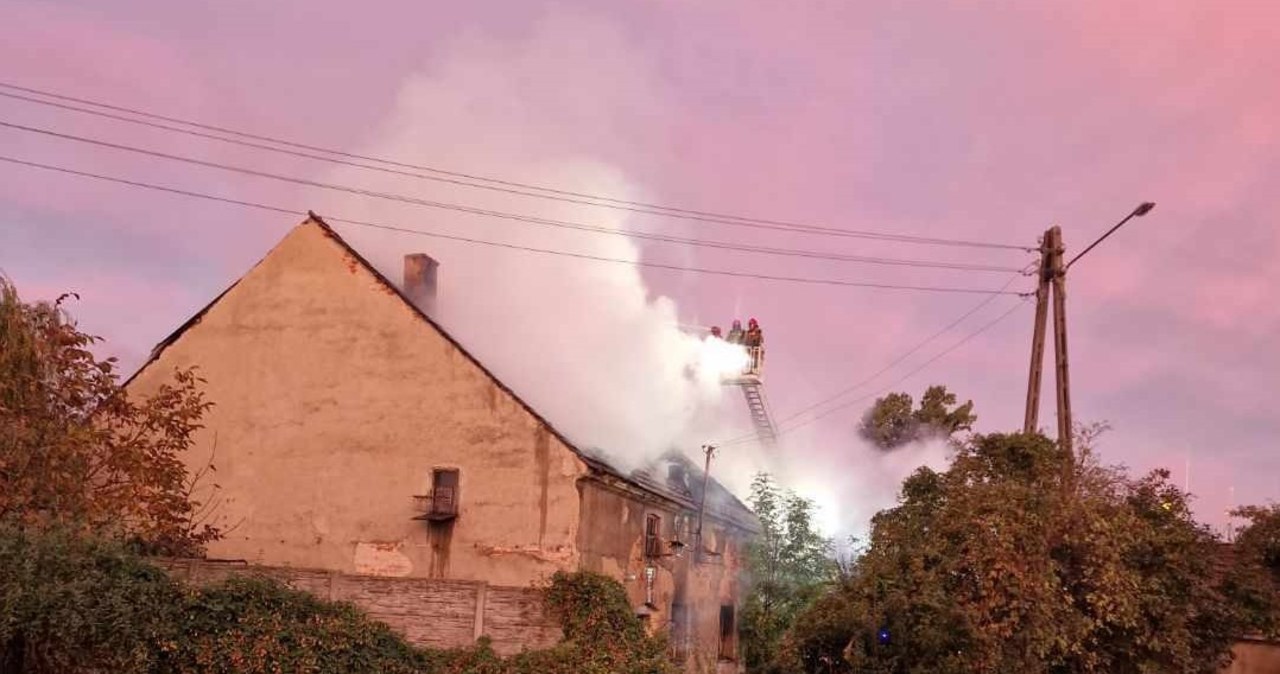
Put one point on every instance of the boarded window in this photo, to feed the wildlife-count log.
(652, 536)
(728, 632)
(444, 492)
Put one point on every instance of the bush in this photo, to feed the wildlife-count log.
(255, 624)
(70, 604)
(79, 605)
(601, 632)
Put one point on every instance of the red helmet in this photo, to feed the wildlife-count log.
(753, 323)
(715, 331)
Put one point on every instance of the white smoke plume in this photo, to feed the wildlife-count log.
(586, 343)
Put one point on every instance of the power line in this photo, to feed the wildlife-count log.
(986, 326)
(498, 244)
(724, 245)
(913, 372)
(905, 355)
(493, 184)
(890, 365)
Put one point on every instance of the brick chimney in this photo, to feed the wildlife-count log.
(420, 281)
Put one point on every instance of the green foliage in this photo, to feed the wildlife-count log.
(76, 604)
(1015, 559)
(1255, 578)
(69, 604)
(891, 422)
(256, 625)
(1259, 540)
(790, 564)
(602, 634)
(817, 639)
(75, 450)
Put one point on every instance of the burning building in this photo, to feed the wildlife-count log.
(351, 433)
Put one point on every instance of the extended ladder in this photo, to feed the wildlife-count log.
(758, 406)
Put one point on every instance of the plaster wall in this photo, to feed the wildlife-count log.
(688, 591)
(334, 401)
(1255, 656)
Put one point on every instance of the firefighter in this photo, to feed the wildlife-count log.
(754, 341)
(755, 336)
(715, 332)
(735, 333)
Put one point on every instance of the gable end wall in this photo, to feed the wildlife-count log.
(334, 402)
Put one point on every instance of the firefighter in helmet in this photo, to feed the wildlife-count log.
(715, 332)
(754, 341)
(755, 336)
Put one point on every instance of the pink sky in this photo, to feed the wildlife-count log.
(939, 119)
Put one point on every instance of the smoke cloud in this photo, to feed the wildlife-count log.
(583, 341)
(612, 365)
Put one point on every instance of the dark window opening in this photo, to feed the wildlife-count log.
(444, 493)
(728, 632)
(652, 536)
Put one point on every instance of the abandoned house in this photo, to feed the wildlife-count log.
(352, 434)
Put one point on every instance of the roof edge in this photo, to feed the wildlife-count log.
(590, 461)
(333, 234)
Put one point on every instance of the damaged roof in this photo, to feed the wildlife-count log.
(653, 478)
(685, 486)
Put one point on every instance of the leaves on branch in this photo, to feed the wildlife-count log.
(892, 422)
(76, 450)
(1016, 559)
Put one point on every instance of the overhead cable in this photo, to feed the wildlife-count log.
(499, 244)
(505, 215)
(903, 356)
(477, 181)
(986, 326)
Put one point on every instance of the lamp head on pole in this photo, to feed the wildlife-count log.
(1144, 208)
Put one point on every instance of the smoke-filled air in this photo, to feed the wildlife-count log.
(608, 363)
(617, 368)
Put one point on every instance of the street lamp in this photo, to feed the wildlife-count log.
(1142, 209)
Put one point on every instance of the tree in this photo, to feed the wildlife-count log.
(1016, 559)
(790, 564)
(891, 422)
(1259, 540)
(1255, 574)
(75, 449)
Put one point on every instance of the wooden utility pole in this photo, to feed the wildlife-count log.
(1063, 378)
(1031, 422)
(710, 450)
(1052, 280)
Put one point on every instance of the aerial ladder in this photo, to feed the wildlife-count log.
(751, 381)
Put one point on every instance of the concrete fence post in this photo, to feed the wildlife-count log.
(482, 591)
